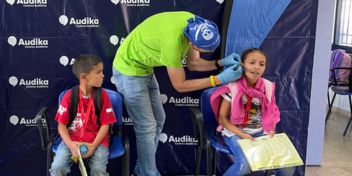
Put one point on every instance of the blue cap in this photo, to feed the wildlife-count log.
(202, 33)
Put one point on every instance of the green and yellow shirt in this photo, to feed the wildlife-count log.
(157, 41)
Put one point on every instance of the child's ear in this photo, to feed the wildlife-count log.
(82, 76)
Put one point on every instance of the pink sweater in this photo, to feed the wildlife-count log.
(270, 111)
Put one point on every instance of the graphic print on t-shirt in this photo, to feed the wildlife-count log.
(77, 123)
(255, 114)
(254, 123)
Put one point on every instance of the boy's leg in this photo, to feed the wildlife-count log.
(139, 107)
(98, 161)
(62, 161)
(240, 165)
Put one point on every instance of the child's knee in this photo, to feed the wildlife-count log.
(100, 155)
(244, 168)
(287, 171)
(59, 168)
(98, 166)
(99, 161)
(237, 169)
(98, 170)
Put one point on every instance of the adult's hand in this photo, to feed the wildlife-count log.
(230, 60)
(231, 73)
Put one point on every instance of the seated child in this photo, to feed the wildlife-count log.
(246, 111)
(86, 128)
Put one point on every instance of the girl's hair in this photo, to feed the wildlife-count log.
(251, 50)
(84, 64)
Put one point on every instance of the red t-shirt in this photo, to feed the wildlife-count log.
(86, 118)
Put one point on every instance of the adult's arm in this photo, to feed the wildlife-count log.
(178, 79)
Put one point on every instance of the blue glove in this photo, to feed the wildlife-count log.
(230, 60)
(231, 73)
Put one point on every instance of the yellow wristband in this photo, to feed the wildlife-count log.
(212, 81)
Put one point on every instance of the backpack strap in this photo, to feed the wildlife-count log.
(215, 101)
(74, 103)
(233, 88)
(268, 86)
(97, 105)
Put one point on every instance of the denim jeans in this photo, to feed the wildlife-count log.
(62, 161)
(241, 166)
(143, 104)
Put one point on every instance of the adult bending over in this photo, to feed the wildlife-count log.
(164, 39)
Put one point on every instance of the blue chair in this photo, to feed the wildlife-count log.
(205, 125)
(118, 147)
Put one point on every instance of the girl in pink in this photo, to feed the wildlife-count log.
(248, 109)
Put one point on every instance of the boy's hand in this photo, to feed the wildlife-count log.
(91, 149)
(74, 150)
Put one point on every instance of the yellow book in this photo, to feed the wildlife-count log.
(270, 153)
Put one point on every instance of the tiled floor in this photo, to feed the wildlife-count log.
(337, 155)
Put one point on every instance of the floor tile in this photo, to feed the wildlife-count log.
(337, 152)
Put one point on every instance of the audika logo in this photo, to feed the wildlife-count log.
(112, 80)
(127, 121)
(15, 120)
(220, 1)
(180, 101)
(114, 40)
(29, 3)
(178, 140)
(164, 98)
(132, 2)
(64, 60)
(79, 22)
(28, 43)
(29, 83)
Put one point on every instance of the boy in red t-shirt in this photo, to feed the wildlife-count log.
(84, 128)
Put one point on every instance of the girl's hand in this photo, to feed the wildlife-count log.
(271, 133)
(247, 136)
